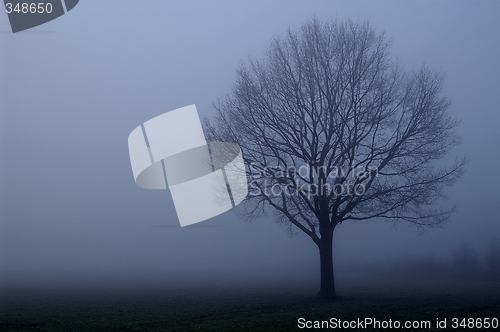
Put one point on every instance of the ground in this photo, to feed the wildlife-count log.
(226, 309)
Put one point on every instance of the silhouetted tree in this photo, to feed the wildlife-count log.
(332, 129)
(465, 262)
(493, 260)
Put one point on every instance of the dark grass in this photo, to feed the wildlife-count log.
(237, 310)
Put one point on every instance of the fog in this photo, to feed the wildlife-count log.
(73, 89)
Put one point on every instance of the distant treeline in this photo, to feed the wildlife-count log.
(464, 263)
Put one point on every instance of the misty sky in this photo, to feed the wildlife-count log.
(73, 89)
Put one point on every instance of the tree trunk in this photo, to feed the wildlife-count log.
(327, 287)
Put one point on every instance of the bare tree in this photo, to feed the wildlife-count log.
(333, 129)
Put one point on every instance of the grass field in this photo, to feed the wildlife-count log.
(238, 310)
